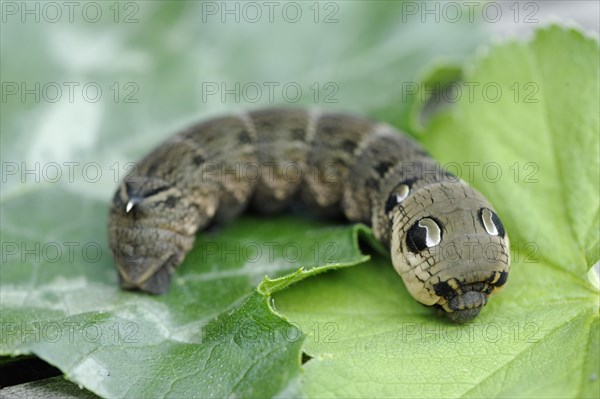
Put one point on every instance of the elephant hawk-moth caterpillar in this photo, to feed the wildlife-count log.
(439, 230)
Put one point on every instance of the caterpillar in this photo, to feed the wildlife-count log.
(445, 239)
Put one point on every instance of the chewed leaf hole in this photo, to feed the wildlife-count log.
(594, 275)
(305, 357)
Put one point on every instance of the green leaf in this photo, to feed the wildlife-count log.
(212, 335)
(539, 336)
(52, 388)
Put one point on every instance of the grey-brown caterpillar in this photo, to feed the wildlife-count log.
(445, 239)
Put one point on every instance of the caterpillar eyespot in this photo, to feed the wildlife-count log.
(491, 222)
(425, 233)
(398, 195)
(366, 171)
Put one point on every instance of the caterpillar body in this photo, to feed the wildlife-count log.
(439, 230)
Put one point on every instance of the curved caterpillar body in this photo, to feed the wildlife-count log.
(446, 241)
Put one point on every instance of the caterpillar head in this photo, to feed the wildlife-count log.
(452, 254)
(151, 228)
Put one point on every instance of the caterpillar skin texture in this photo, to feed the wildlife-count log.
(445, 239)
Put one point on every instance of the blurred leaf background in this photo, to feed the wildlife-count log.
(155, 64)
